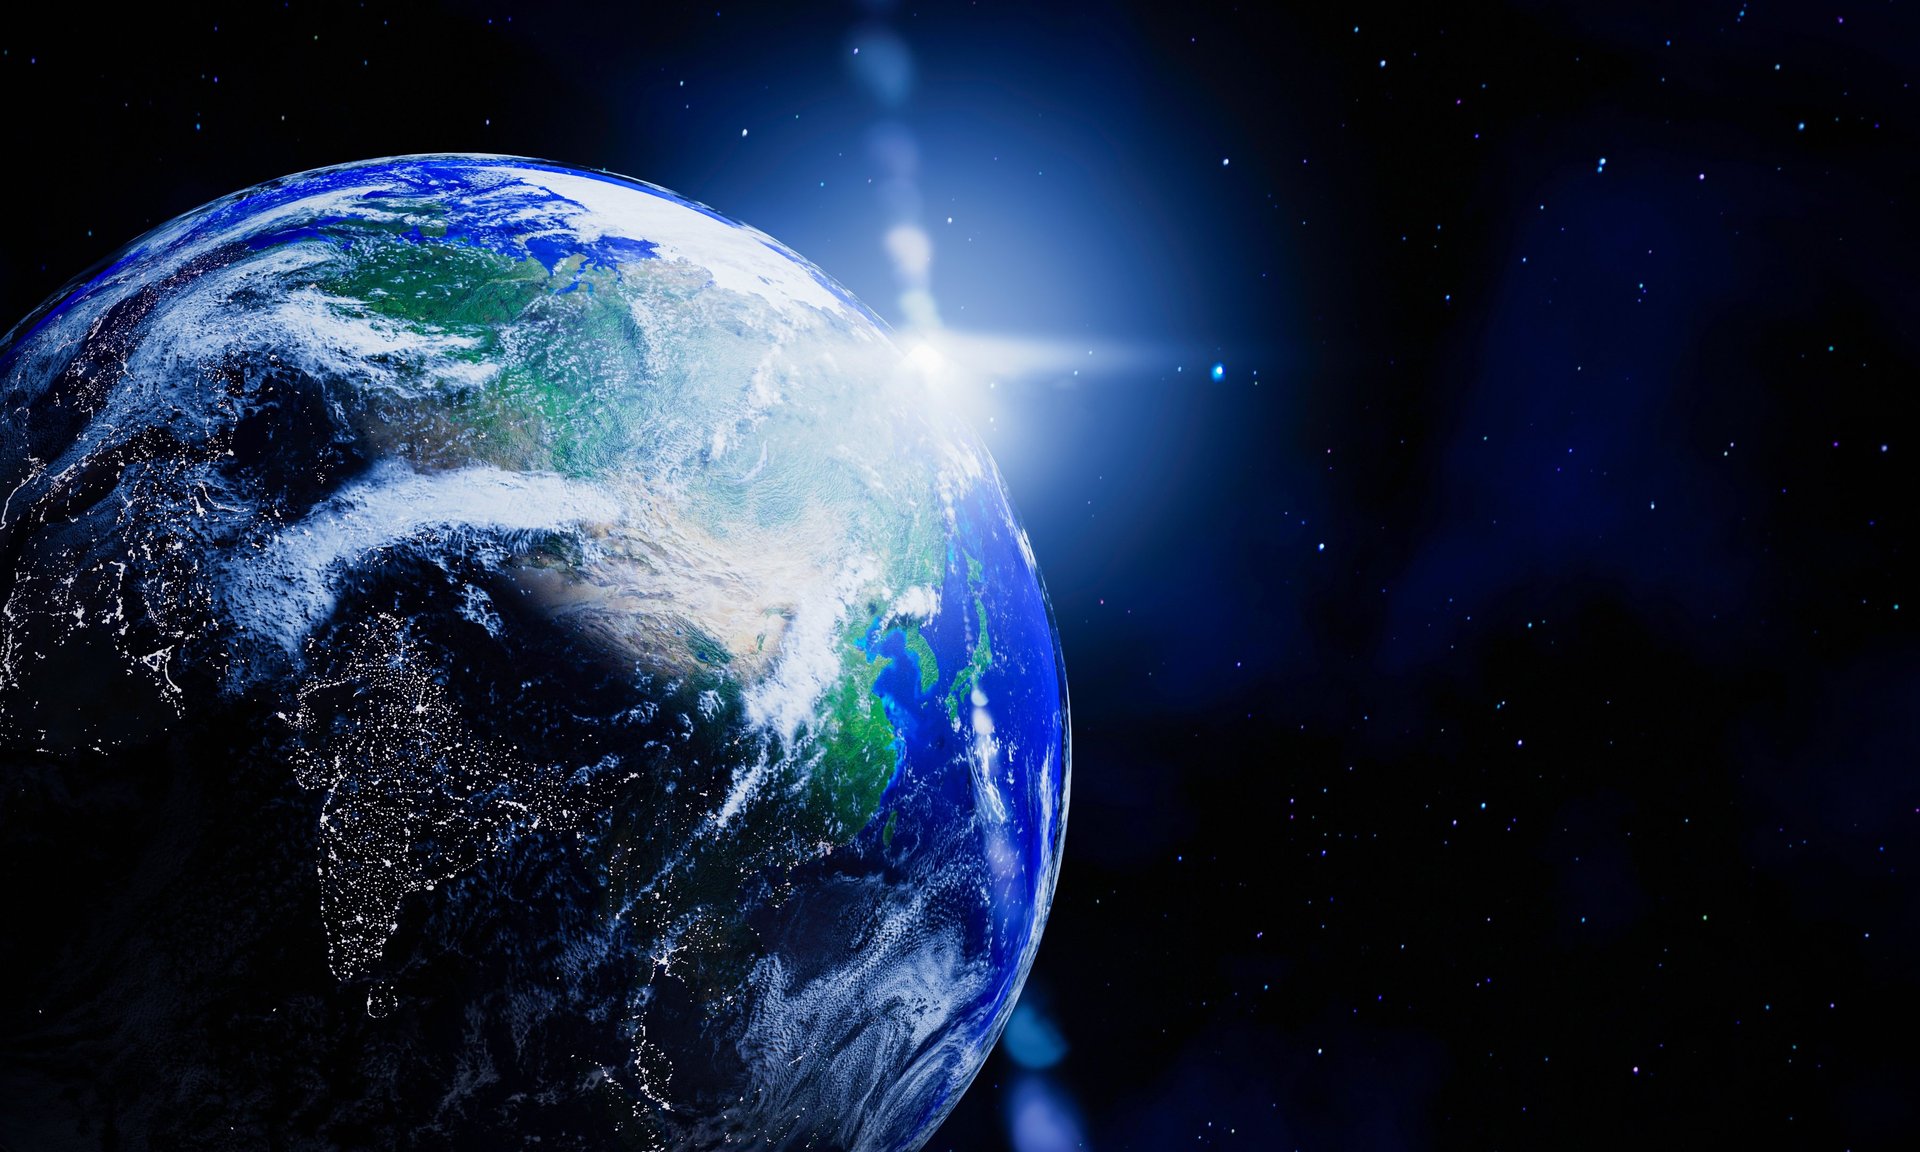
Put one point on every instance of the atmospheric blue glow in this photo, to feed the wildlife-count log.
(1040, 1117)
(1219, 371)
(1032, 1040)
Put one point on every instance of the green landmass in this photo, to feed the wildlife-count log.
(446, 284)
(981, 657)
(706, 649)
(858, 747)
(548, 407)
(978, 661)
(923, 658)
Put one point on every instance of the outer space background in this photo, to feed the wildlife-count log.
(1465, 448)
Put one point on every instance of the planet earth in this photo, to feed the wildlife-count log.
(499, 655)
